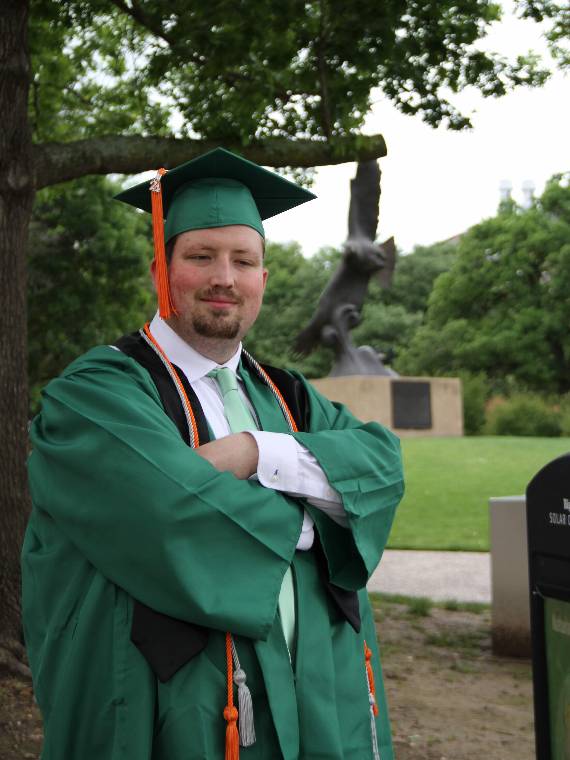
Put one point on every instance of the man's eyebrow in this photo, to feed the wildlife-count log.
(198, 247)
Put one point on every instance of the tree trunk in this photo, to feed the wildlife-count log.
(16, 198)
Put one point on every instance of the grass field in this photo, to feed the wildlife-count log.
(449, 482)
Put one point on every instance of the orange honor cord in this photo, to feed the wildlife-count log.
(230, 712)
(370, 673)
(292, 422)
(283, 403)
(174, 375)
(165, 306)
(275, 390)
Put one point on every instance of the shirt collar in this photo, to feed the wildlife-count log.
(193, 364)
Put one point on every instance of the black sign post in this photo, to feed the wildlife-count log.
(548, 525)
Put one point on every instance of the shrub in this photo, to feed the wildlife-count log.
(475, 392)
(524, 414)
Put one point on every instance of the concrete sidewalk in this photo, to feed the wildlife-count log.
(463, 576)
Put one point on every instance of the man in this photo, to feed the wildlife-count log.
(197, 538)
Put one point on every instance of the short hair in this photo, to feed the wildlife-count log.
(169, 249)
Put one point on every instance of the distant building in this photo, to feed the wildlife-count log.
(505, 196)
(527, 188)
(505, 190)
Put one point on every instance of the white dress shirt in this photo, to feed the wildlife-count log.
(284, 464)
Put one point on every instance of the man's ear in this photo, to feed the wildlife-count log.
(153, 272)
(265, 276)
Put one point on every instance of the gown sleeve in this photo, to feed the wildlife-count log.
(362, 461)
(111, 472)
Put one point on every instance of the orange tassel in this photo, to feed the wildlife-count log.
(165, 306)
(370, 672)
(230, 712)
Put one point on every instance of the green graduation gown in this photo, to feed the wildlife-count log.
(123, 510)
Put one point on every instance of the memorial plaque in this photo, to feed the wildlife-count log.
(411, 405)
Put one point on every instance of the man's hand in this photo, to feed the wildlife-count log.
(236, 453)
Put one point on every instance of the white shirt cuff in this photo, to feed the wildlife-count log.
(278, 463)
(286, 465)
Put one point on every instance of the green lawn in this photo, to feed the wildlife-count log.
(449, 482)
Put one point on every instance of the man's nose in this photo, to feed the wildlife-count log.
(222, 273)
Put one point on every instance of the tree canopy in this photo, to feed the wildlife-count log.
(88, 274)
(556, 18)
(252, 74)
(503, 307)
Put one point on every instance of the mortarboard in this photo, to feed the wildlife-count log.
(216, 189)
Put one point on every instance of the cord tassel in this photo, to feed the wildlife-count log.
(371, 702)
(375, 748)
(232, 736)
(245, 703)
(230, 712)
(165, 306)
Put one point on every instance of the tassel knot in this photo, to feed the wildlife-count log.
(231, 714)
(370, 675)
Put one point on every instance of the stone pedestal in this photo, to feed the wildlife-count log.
(509, 577)
(410, 406)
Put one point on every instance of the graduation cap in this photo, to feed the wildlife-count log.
(216, 189)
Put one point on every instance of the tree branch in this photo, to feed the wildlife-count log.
(137, 15)
(322, 67)
(60, 162)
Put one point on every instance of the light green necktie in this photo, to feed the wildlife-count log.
(240, 420)
(236, 412)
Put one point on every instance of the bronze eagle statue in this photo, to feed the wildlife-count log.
(340, 305)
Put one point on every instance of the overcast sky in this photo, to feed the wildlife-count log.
(437, 183)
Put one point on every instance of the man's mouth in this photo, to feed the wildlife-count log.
(218, 304)
(219, 301)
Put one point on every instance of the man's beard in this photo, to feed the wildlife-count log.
(215, 326)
